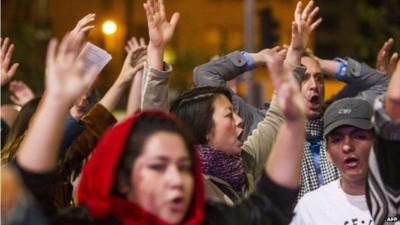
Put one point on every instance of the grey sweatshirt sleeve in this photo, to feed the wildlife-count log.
(155, 86)
(362, 81)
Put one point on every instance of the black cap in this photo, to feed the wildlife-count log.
(348, 111)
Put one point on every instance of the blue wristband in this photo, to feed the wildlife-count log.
(342, 69)
(249, 61)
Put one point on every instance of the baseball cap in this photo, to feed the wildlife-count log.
(354, 112)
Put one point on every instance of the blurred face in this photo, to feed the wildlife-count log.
(81, 106)
(312, 88)
(226, 132)
(349, 149)
(162, 179)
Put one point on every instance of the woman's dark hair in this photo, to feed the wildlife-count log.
(19, 127)
(195, 108)
(146, 125)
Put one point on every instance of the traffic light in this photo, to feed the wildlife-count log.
(269, 29)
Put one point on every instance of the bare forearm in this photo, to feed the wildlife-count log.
(155, 56)
(39, 150)
(284, 164)
(329, 67)
(110, 99)
(134, 100)
(293, 56)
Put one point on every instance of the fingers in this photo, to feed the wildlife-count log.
(297, 12)
(174, 20)
(316, 24)
(70, 47)
(276, 70)
(133, 44)
(387, 46)
(307, 10)
(7, 59)
(383, 63)
(12, 70)
(83, 24)
(161, 8)
(137, 53)
(4, 47)
(149, 14)
(142, 42)
(392, 63)
(276, 48)
(15, 100)
(51, 52)
(310, 17)
(283, 52)
(87, 28)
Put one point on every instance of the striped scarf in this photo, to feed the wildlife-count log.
(309, 179)
(226, 167)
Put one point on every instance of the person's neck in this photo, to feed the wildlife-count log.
(353, 187)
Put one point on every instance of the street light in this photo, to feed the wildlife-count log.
(109, 27)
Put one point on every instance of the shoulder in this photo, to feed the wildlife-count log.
(218, 190)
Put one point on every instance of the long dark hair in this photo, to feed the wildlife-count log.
(18, 129)
(195, 108)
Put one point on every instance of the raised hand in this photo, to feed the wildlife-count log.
(289, 97)
(7, 50)
(277, 70)
(133, 44)
(65, 78)
(135, 59)
(383, 63)
(160, 29)
(305, 22)
(20, 93)
(84, 25)
(392, 99)
(261, 56)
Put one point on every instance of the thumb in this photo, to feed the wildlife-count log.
(174, 20)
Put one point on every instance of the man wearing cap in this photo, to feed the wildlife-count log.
(349, 137)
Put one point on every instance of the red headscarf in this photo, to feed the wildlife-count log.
(95, 189)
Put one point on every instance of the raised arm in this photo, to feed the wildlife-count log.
(304, 24)
(383, 175)
(133, 63)
(383, 63)
(284, 163)
(160, 31)
(134, 99)
(155, 76)
(7, 71)
(65, 82)
(392, 100)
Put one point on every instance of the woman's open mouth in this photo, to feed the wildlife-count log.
(177, 205)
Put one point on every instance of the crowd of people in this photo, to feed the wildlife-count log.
(207, 157)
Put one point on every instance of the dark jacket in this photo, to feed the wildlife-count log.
(96, 121)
